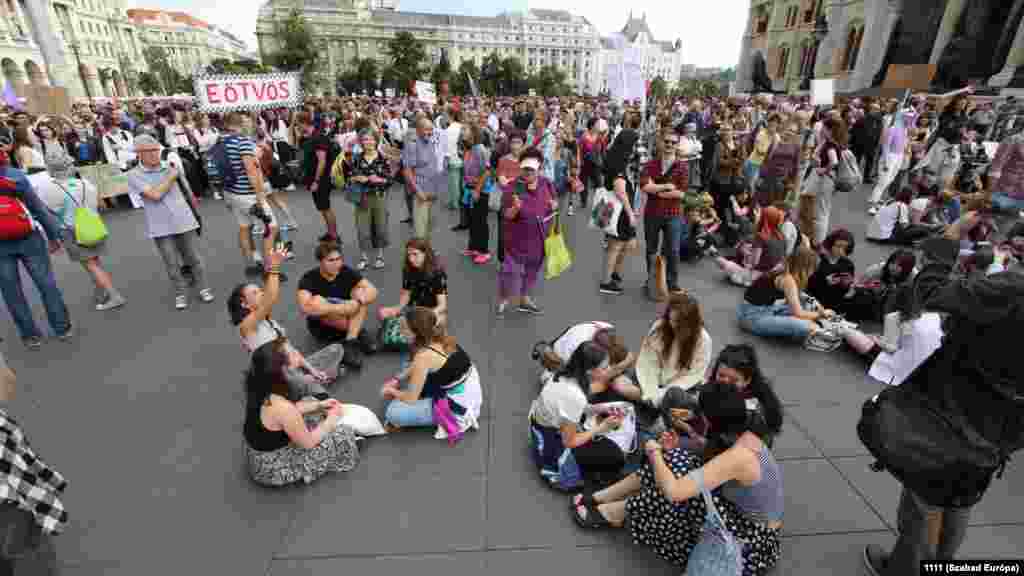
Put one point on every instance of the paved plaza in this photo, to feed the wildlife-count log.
(143, 413)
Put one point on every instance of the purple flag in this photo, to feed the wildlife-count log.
(10, 98)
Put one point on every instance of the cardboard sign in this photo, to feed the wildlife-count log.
(425, 92)
(248, 92)
(823, 92)
(917, 77)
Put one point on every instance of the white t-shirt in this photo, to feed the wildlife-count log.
(82, 192)
(561, 401)
(883, 224)
(567, 343)
(919, 339)
(453, 134)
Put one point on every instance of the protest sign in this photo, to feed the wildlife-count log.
(225, 93)
(425, 92)
(823, 92)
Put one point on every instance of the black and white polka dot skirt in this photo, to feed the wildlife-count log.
(673, 530)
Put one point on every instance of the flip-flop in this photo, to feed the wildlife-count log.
(585, 500)
(594, 520)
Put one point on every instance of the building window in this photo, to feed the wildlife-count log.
(852, 50)
(811, 11)
(806, 59)
(783, 62)
(792, 16)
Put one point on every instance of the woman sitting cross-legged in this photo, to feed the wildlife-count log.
(766, 253)
(676, 351)
(424, 282)
(444, 386)
(286, 441)
(664, 500)
(250, 307)
(737, 367)
(557, 418)
(834, 275)
(771, 306)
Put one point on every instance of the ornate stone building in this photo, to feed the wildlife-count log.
(350, 29)
(660, 58)
(190, 43)
(88, 46)
(978, 41)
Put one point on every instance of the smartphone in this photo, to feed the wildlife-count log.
(279, 245)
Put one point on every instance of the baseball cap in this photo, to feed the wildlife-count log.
(530, 164)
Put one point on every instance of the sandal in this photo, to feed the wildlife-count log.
(581, 499)
(594, 520)
(363, 263)
(378, 263)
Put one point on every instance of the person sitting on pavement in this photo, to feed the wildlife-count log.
(286, 441)
(663, 501)
(676, 351)
(621, 361)
(250, 307)
(424, 282)
(557, 418)
(441, 370)
(336, 301)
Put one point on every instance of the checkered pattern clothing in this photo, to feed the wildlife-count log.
(29, 483)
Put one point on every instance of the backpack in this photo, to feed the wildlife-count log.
(848, 175)
(15, 221)
(953, 424)
(218, 158)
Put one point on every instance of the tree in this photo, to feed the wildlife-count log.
(296, 50)
(442, 71)
(365, 72)
(549, 81)
(158, 64)
(490, 74)
(461, 85)
(658, 89)
(243, 66)
(149, 83)
(512, 77)
(696, 88)
(407, 56)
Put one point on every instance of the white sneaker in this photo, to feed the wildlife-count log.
(206, 295)
(181, 302)
(111, 303)
(873, 209)
(218, 196)
(572, 210)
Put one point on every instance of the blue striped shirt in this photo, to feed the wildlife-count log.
(237, 147)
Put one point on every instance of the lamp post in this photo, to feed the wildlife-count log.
(820, 33)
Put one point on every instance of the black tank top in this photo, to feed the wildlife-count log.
(454, 369)
(763, 291)
(257, 436)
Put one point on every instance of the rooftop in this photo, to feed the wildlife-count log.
(148, 16)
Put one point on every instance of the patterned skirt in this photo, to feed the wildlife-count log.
(673, 530)
(337, 452)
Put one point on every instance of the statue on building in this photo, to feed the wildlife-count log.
(981, 43)
(759, 74)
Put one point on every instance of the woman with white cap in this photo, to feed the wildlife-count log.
(66, 194)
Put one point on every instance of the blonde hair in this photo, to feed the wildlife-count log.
(801, 264)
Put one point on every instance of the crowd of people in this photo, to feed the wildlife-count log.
(746, 181)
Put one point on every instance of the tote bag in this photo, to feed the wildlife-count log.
(718, 553)
(557, 258)
(88, 227)
(605, 212)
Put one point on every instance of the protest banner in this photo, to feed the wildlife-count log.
(425, 92)
(224, 93)
(823, 92)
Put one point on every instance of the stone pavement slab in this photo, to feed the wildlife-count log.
(143, 413)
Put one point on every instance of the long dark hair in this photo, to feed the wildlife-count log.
(265, 375)
(587, 357)
(726, 412)
(236, 311)
(906, 261)
(743, 359)
(691, 329)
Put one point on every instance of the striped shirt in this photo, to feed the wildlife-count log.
(237, 147)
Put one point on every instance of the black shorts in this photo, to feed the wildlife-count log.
(322, 195)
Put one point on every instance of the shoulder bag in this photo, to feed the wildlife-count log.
(718, 553)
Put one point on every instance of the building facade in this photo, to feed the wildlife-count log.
(659, 58)
(979, 42)
(88, 46)
(190, 43)
(353, 29)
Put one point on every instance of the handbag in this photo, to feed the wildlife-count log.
(557, 258)
(88, 227)
(660, 279)
(390, 335)
(606, 212)
(718, 553)
(494, 195)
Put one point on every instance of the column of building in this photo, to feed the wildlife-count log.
(947, 28)
(743, 69)
(1014, 63)
(881, 17)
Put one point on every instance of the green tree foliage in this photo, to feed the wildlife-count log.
(407, 56)
(442, 71)
(658, 90)
(158, 64)
(697, 88)
(549, 81)
(243, 66)
(296, 50)
(149, 83)
(512, 77)
(367, 72)
(490, 74)
(460, 85)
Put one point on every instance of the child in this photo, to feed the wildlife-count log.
(704, 223)
(740, 216)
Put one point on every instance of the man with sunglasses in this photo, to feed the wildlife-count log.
(665, 180)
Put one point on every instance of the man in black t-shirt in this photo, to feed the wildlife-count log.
(318, 156)
(336, 301)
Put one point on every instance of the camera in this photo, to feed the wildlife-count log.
(260, 213)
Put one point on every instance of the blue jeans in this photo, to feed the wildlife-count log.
(416, 415)
(33, 254)
(1005, 203)
(772, 321)
(670, 232)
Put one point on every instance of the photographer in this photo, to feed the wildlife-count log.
(170, 221)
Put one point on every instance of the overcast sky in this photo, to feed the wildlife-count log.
(711, 36)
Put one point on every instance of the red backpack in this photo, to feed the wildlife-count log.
(15, 222)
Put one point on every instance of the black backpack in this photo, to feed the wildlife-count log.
(955, 421)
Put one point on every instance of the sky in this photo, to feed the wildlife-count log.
(711, 37)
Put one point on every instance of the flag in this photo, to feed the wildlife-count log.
(10, 98)
(472, 85)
